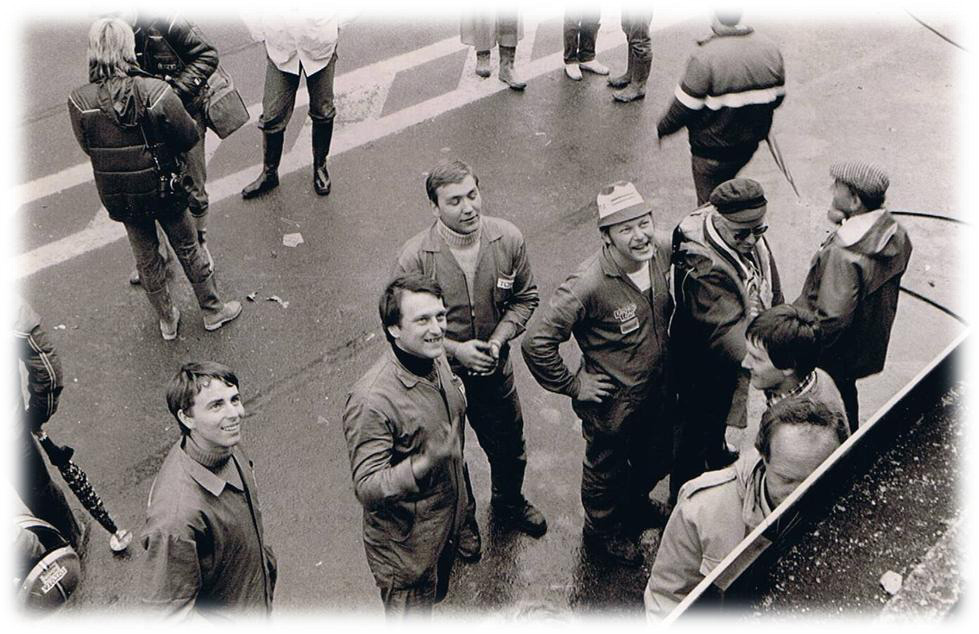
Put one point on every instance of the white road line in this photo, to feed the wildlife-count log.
(348, 137)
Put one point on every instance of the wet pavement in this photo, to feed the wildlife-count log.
(884, 89)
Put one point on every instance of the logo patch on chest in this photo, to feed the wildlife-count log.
(505, 284)
(625, 313)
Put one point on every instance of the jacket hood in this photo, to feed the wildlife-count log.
(887, 244)
(119, 99)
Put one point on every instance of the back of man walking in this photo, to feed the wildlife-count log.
(854, 278)
(733, 83)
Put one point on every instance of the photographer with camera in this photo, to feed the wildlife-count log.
(136, 131)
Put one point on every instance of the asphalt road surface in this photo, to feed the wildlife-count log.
(881, 87)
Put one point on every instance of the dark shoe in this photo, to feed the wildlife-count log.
(483, 63)
(470, 544)
(614, 547)
(620, 81)
(631, 92)
(522, 516)
(651, 513)
(322, 137)
(507, 73)
(269, 178)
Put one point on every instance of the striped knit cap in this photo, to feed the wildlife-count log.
(867, 178)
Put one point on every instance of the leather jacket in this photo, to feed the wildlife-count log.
(174, 50)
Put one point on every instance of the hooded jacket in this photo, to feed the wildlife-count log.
(852, 288)
(106, 116)
(713, 513)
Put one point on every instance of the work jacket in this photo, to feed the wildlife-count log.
(109, 119)
(708, 329)
(504, 294)
(389, 414)
(853, 290)
(621, 331)
(713, 513)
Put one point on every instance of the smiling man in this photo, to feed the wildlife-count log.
(403, 424)
(480, 262)
(618, 307)
(205, 548)
(724, 275)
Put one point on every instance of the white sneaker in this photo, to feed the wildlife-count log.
(572, 71)
(594, 66)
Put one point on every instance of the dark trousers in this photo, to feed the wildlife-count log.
(709, 173)
(623, 462)
(40, 494)
(635, 25)
(417, 600)
(279, 96)
(580, 30)
(704, 404)
(847, 385)
(493, 410)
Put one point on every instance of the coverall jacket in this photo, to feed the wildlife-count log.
(407, 524)
(497, 308)
(622, 333)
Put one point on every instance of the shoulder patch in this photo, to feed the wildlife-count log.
(707, 480)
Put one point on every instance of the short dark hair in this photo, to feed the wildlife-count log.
(189, 380)
(447, 173)
(872, 201)
(798, 411)
(790, 336)
(389, 307)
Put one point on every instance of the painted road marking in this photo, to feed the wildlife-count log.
(378, 76)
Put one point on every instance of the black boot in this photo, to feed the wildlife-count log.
(322, 136)
(269, 178)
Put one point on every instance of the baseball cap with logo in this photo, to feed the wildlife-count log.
(620, 202)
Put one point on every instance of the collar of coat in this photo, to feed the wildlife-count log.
(722, 30)
(212, 482)
(433, 241)
(713, 238)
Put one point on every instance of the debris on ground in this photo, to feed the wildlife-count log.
(891, 582)
(278, 300)
(292, 239)
(251, 296)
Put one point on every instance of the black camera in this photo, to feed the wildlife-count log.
(174, 183)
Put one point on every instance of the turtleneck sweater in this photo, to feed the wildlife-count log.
(213, 460)
(465, 249)
(419, 366)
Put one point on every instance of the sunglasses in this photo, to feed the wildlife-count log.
(742, 234)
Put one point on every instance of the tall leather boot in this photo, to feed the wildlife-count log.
(269, 178)
(621, 81)
(216, 312)
(507, 74)
(637, 87)
(169, 314)
(322, 137)
(201, 223)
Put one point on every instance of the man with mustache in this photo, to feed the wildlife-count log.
(403, 423)
(480, 262)
(618, 307)
(204, 541)
(724, 275)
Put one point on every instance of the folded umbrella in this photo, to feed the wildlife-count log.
(81, 486)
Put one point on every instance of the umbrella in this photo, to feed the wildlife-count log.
(780, 162)
(81, 486)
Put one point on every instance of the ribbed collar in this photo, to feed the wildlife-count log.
(457, 240)
(211, 459)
